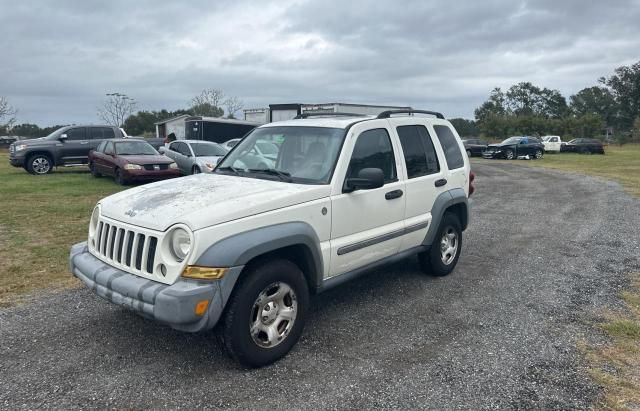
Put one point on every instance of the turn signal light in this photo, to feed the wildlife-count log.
(201, 307)
(203, 273)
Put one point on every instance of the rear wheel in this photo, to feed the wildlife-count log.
(538, 154)
(469, 153)
(443, 256)
(39, 164)
(265, 315)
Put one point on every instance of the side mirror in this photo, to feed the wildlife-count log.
(63, 137)
(161, 150)
(368, 179)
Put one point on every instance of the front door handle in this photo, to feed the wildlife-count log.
(84, 142)
(393, 194)
(441, 182)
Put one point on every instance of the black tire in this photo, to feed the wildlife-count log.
(196, 170)
(243, 310)
(431, 262)
(39, 164)
(508, 154)
(538, 154)
(469, 153)
(119, 179)
(94, 172)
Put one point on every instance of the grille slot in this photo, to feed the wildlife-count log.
(151, 167)
(125, 248)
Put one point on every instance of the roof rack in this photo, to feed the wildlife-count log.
(388, 113)
(307, 115)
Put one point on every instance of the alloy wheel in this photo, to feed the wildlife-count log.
(41, 165)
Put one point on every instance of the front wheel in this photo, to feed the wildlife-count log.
(39, 164)
(119, 178)
(94, 172)
(469, 153)
(265, 315)
(509, 154)
(195, 170)
(443, 256)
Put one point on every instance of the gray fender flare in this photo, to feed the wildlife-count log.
(241, 248)
(444, 201)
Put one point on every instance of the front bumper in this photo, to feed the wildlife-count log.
(16, 160)
(493, 154)
(151, 175)
(173, 305)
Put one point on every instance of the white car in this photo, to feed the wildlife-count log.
(194, 156)
(552, 143)
(250, 245)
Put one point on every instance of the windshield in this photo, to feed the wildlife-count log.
(207, 149)
(304, 155)
(512, 140)
(135, 148)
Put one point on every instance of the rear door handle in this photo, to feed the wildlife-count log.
(441, 182)
(84, 142)
(393, 194)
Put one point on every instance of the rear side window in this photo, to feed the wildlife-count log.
(373, 150)
(419, 154)
(108, 132)
(108, 149)
(100, 148)
(95, 133)
(450, 146)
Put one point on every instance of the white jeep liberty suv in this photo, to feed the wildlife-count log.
(247, 244)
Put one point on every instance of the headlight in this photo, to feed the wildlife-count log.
(173, 165)
(209, 166)
(20, 147)
(93, 223)
(180, 243)
(132, 167)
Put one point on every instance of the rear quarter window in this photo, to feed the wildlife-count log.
(449, 144)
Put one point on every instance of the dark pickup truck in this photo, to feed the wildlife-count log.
(66, 146)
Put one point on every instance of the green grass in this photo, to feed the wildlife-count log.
(621, 164)
(40, 218)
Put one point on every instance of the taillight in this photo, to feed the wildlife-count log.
(472, 178)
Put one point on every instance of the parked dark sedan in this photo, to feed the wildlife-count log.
(130, 160)
(474, 146)
(583, 146)
(514, 147)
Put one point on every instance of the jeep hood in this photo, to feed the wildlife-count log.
(203, 200)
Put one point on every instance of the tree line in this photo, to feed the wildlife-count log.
(121, 110)
(610, 109)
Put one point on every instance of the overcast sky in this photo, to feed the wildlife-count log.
(59, 58)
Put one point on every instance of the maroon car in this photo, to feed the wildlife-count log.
(130, 160)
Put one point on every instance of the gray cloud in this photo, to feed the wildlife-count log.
(57, 59)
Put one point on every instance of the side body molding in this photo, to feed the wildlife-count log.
(444, 201)
(239, 249)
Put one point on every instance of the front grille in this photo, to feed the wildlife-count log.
(125, 248)
(151, 167)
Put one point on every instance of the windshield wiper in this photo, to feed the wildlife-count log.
(229, 168)
(283, 175)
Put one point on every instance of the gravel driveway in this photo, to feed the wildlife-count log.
(545, 251)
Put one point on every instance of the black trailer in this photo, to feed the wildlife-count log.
(216, 129)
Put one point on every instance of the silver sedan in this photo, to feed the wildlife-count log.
(194, 156)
